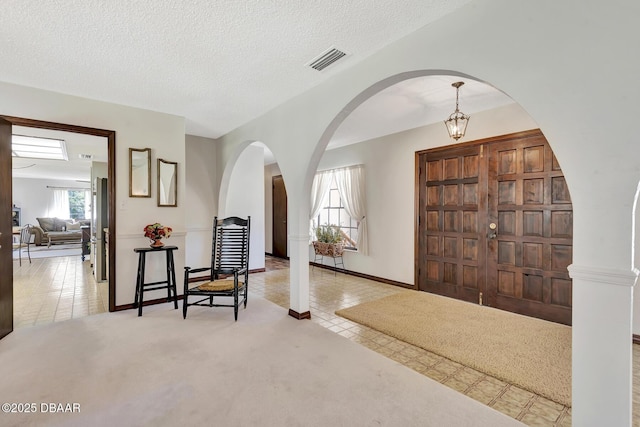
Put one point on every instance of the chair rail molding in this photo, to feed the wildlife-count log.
(605, 276)
(139, 235)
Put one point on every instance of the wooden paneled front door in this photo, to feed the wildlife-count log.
(495, 225)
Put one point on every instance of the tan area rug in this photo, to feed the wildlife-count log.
(530, 353)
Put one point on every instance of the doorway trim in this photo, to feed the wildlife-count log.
(273, 218)
(111, 175)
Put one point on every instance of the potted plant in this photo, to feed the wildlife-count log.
(328, 241)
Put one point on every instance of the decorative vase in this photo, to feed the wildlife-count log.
(157, 244)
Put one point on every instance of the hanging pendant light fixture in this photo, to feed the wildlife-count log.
(457, 121)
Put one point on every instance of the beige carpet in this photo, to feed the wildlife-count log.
(266, 369)
(530, 353)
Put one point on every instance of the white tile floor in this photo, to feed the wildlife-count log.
(55, 289)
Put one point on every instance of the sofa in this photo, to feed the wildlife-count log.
(55, 230)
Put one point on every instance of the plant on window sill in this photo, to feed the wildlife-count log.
(329, 241)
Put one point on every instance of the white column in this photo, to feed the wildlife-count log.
(601, 348)
(299, 275)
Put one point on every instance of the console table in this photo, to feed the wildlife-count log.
(169, 284)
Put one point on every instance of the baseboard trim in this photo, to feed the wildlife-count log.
(299, 316)
(364, 276)
(145, 303)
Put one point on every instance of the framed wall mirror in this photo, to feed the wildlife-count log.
(139, 172)
(167, 183)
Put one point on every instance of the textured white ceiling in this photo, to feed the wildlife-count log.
(217, 63)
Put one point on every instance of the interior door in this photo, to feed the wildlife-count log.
(495, 225)
(279, 207)
(6, 239)
(531, 206)
(452, 245)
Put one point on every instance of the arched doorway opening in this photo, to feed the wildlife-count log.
(407, 111)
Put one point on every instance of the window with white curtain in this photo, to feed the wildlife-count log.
(71, 204)
(338, 198)
(332, 212)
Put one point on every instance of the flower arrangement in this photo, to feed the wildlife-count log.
(156, 231)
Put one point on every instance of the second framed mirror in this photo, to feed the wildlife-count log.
(167, 183)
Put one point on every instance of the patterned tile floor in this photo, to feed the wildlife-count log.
(329, 292)
(54, 289)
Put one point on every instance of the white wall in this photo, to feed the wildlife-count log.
(201, 198)
(246, 198)
(99, 170)
(34, 198)
(137, 128)
(568, 65)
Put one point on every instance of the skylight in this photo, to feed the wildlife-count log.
(38, 148)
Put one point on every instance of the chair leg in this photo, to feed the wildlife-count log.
(20, 256)
(235, 302)
(246, 292)
(185, 294)
(29, 253)
(184, 306)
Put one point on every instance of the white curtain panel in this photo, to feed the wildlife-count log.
(350, 182)
(59, 204)
(319, 190)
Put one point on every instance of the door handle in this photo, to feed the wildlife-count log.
(493, 231)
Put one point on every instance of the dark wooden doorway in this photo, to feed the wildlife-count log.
(279, 207)
(6, 183)
(495, 225)
(6, 238)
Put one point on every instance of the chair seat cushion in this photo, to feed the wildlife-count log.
(218, 285)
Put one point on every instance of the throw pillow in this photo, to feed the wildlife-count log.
(47, 224)
(73, 226)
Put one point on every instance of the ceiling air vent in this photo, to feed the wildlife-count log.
(85, 156)
(326, 58)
